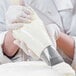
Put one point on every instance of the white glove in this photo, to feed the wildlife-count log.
(16, 15)
(64, 69)
(25, 49)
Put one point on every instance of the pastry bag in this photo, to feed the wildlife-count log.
(35, 36)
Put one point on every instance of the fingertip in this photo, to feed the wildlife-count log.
(22, 3)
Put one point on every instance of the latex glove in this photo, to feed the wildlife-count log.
(16, 15)
(64, 69)
(25, 49)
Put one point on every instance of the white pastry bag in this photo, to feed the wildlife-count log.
(35, 36)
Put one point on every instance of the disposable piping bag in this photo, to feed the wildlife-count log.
(35, 36)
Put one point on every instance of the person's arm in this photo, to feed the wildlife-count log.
(66, 44)
(9, 48)
(3, 31)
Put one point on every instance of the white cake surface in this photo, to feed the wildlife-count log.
(32, 68)
(64, 69)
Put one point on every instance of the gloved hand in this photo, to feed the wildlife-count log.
(64, 69)
(25, 49)
(16, 15)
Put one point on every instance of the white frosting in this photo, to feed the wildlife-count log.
(35, 68)
(64, 69)
(32, 68)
